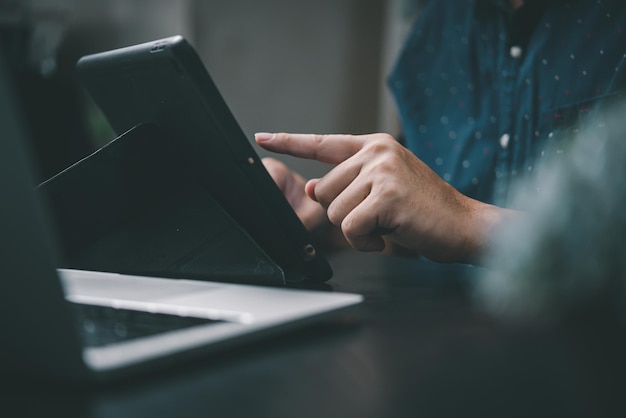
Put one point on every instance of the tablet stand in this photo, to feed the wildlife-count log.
(133, 207)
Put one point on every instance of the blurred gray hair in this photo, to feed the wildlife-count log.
(569, 253)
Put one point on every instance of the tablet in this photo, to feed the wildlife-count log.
(164, 83)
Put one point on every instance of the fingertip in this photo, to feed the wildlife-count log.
(309, 188)
(263, 137)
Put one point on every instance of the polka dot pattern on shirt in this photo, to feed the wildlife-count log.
(471, 73)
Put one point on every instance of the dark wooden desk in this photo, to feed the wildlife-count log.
(416, 347)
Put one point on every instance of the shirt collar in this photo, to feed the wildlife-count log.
(505, 5)
(521, 22)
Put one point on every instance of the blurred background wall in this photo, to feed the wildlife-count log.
(281, 65)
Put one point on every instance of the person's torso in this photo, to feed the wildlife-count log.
(482, 98)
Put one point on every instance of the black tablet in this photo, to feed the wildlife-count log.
(164, 83)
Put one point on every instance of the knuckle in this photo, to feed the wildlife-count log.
(334, 214)
(383, 144)
(389, 163)
(378, 146)
(384, 138)
(384, 168)
(359, 240)
(319, 140)
(347, 228)
(387, 194)
(387, 138)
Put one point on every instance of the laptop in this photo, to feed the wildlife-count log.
(80, 325)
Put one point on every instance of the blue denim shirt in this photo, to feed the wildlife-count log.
(482, 91)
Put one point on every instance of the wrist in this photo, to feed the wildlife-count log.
(480, 224)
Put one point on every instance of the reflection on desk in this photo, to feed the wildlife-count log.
(418, 346)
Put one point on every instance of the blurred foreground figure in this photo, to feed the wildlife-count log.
(41, 57)
(569, 254)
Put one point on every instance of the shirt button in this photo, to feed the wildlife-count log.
(515, 51)
(504, 141)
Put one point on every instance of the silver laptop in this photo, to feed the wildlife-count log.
(92, 325)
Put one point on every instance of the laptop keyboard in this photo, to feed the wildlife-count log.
(102, 325)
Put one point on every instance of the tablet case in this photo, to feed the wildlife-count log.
(165, 82)
(134, 207)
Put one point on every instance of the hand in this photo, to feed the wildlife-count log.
(379, 188)
(311, 213)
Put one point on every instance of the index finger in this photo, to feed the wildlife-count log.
(331, 149)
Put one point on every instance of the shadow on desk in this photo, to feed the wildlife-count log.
(418, 346)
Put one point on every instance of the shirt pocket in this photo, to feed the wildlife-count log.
(559, 125)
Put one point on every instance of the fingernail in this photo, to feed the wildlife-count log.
(263, 136)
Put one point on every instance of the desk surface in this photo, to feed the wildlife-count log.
(417, 346)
